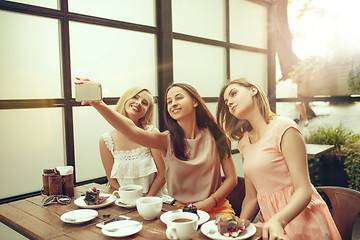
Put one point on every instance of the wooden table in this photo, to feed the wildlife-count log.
(316, 150)
(35, 221)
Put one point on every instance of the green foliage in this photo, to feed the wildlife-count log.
(338, 136)
(354, 76)
(352, 167)
(342, 139)
(314, 171)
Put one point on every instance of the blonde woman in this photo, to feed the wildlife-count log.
(275, 166)
(126, 162)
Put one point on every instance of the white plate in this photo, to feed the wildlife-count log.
(80, 216)
(81, 203)
(124, 205)
(248, 232)
(123, 231)
(204, 216)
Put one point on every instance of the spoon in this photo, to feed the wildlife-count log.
(115, 229)
(77, 219)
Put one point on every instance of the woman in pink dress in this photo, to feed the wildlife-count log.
(275, 167)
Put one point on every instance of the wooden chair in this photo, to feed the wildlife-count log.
(237, 196)
(345, 208)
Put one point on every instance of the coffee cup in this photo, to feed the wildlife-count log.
(129, 193)
(181, 225)
(149, 207)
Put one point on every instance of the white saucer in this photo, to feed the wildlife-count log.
(81, 203)
(123, 231)
(204, 216)
(124, 205)
(248, 232)
(80, 216)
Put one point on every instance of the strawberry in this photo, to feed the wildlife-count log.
(94, 189)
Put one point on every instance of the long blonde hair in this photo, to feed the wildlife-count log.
(235, 128)
(147, 119)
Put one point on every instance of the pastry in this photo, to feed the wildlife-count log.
(93, 197)
(190, 208)
(231, 226)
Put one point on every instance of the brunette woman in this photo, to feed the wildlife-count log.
(275, 167)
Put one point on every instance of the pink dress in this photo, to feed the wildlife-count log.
(265, 166)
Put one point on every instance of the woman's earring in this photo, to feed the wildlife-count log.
(254, 91)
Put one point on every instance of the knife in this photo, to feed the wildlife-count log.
(118, 218)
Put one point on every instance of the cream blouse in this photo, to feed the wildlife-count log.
(197, 178)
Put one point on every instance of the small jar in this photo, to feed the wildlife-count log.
(56, 185)
(68, 188)
(45, 177)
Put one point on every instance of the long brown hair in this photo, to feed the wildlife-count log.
(234, 127)
(204, 119)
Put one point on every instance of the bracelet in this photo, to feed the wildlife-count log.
(216, 201)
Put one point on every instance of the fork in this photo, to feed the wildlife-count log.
(115, 229)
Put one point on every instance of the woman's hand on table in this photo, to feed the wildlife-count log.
(205, 205)
(273, 230)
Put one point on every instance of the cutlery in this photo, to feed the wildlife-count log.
(170, 211)
(213, 230)
(115, 229)
(77, 218)
(117, 218)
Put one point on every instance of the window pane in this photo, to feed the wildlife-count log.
(29, 59)
(248, 23)
(117, 58)
(199, 65)
(249, 65)
(133, 11)
(89, 125)
(210, 23)
(31, 140)
(40, 3)
(212, 107)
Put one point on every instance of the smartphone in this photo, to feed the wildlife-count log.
(118, 218)
(88, 92)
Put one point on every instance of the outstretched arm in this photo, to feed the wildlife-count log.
(126, 126)
(129, 129)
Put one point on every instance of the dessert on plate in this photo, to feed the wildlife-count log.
(190, 208)
(93, 197)
(230, 225)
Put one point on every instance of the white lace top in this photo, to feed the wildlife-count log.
(135, 166)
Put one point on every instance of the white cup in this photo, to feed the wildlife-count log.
(181, 225)
(129, 193)
(149, 207)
